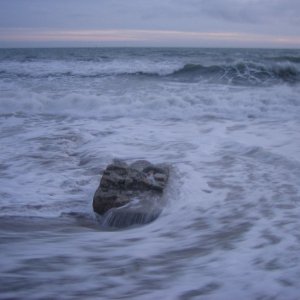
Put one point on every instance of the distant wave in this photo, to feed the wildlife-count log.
(240, 73)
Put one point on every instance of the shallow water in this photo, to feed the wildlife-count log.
(230, 226)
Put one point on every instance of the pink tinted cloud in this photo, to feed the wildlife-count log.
(34, 35)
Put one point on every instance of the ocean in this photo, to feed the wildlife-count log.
(227, 121)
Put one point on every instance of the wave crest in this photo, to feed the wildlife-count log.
(239, 73)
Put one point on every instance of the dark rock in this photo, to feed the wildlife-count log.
(130, 194)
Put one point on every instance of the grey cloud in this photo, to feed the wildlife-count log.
(245, 11)
(266, 16)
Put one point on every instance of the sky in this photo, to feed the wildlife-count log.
(173, 23)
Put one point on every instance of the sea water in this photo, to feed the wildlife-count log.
(225, 120)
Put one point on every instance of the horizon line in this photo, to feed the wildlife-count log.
(146, 47)
(21, 37)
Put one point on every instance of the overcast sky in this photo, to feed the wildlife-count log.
(203, 23)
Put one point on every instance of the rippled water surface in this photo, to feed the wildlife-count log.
(227, 121)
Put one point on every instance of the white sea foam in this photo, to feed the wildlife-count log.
(176, 100)
(232, 206)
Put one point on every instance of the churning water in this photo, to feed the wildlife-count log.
(227, 121)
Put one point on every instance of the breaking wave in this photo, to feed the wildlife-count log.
(238, 73)
(177, 100)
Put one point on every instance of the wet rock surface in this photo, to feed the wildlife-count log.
(130, 194)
